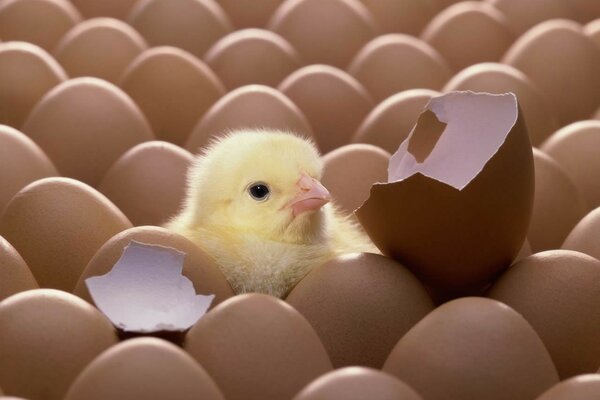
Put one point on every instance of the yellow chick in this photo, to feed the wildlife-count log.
(255, 204)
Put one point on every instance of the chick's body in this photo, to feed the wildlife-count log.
(254, 203)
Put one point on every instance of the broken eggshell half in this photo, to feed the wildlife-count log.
(459, 196)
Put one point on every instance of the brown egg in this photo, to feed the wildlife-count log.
(357, 383)
(173, 88)
(574, 149)
(592, 30)
(522, 15)
(142, 369)
(405, 16)
(192, 25)
(21, 162)
(252, 56)
(325, 31)
(571, 86)
(584, 236)
(451, 32)
(257, 347)
(557, 206)
(197, 266)
(57, 224)
(250, 14)
(390, 122)
(445, 213)
(41, 22)
(148, 182)
(392, 63)
(557, 293)
(500, 78)
(15, 275)
(334, 102)
(350, 170)
(582, 387)
(252, 107)
(360, 305)
(585, 10)
(46, 338)
(85, 125)
(104, 8)
(473, 348)
(100, 47)
(26, 73)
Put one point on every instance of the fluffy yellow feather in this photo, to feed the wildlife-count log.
(255, 205)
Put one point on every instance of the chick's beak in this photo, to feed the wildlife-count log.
(311, 196)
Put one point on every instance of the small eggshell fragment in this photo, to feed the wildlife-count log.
(334, 102)
(392, 63)
(404, 16)
(197, 266)
(257, 347)
(357, 383)
(173, 88)
(582, 387)
(148, 182)
(574, 148)
(41, 22)
(468, 33)
(21, 162)
(584, 236)
(325, 31)
(142, 369)
(252, 107)
(84, 125)
(500, 78)
(557, 205)
(252, 56)
(571, 86)
(27, 72)
(350, 170)
(360, 305)
(557, 293)
(57, 224)
(250, 14)
(104, 8)
(522, 15)
(192, 25)
(473, 348)
(15, 275)
(99, 47)
(46, 338)
(391, 121)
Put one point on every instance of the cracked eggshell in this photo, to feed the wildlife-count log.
(84, 125)
(391, 121)
(249, 107)
(257, 347)
(15, 275)
(584, 236)
(173, 88)
(250, 14)
(360, 305)
(557, 293)
(473, 348)
(325, 31)
(27, 72)
(572, 85)
(361, 164)
(41, 22)
(334, 102)
(46, 338)
(142, 369)
(357, 383)
(99, 47)
(57, 224)
(582, 387)
(454, 215)
(148, 182)
(252, 56)
(392, 63)
(197, 266)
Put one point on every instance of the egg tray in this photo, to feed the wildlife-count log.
(104, 103)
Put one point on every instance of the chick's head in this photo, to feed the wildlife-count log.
(260, 182)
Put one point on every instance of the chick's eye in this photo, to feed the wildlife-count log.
(259, 191)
